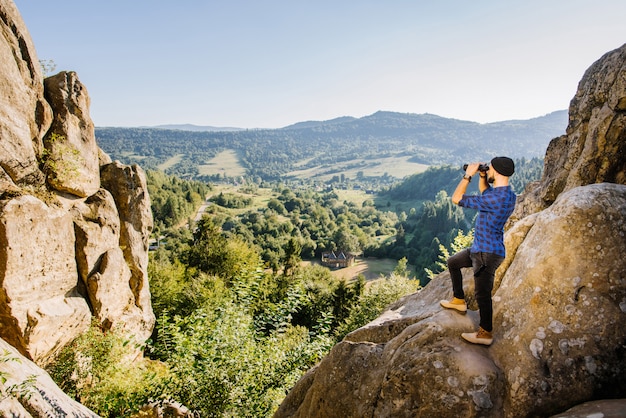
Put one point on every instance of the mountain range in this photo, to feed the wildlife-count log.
(195, 128)
(307, 146)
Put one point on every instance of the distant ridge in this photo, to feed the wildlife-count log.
(315, 123)
(377, 116)
(195, 128)
(382, 117)
(321, 148)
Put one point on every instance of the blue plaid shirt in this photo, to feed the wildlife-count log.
(494, 206)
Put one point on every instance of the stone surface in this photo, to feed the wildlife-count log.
(66, 257)
(24, 113)
(97, 227)
(43, 398)
(128, 186)
(562, 313)
(70, 251)
(71, 157)
(38, 278)
(593, 150)
(609, 408)
(102, 267)
(559, 319)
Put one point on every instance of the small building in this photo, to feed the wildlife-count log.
(337, 260)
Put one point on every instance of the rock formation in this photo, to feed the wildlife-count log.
(70, 159)
(559, 301)
(42, 398)
(74, 225)
(593, 149)
(24, 122)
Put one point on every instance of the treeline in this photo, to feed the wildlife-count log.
(231, 200)
(174, 201)
(315, 222)
(268, 155)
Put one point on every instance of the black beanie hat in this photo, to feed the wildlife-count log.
(503, 165)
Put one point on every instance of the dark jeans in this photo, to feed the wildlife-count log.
(485, 266)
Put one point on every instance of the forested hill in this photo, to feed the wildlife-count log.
(271, 153)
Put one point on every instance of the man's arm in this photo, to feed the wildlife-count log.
(462, 187)
(483, 183)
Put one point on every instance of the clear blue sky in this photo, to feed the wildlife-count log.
(271, 63)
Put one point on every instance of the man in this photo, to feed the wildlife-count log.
(495, 205)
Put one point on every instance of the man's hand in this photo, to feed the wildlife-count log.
(472, 169)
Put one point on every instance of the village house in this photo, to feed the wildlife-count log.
(337, 260)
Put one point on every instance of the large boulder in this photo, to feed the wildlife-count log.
(560, 326)
(128, 186)
(24, 113)
(71, 154)
(70, 251)
(40, 307)
(593, 150)
(563, 313)
(31, 391)
(102, 267)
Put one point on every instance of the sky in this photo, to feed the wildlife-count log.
(272, 63)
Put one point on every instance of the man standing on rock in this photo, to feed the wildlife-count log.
(494, 204)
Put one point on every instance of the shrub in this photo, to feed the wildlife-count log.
(377, 296)
(95, 371)
(222, 367)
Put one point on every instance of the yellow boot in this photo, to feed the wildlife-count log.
(457, 304)
(479, 337)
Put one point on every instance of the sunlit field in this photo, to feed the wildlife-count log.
(398, 167)
(226, 163)
(370, 268)
(171, 162)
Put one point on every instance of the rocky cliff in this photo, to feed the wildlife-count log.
(559, 300)
(74, 226)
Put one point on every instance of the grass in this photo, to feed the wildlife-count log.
(359, 196)
(353, 196)
(226, 163)
(259, 198)
(171, 162)
(370, 268)
(398, 167)
(397, 205)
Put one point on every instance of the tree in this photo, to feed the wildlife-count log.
(212, 253)
(346, 240)
(47, 67)
(292, 255)
(401, 268)
(460, 242)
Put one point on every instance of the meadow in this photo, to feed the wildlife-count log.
(228, 164)
(397, 166)
(170, 162)
(370, 268)
(225, 163)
